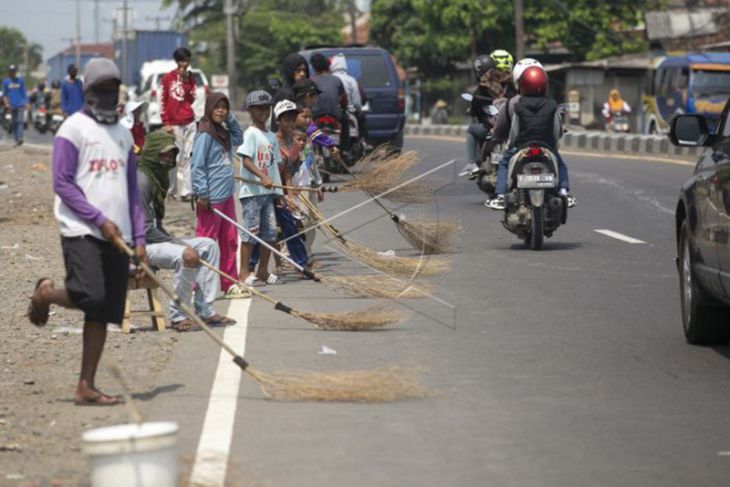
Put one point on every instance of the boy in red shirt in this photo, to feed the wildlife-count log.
(176, 110)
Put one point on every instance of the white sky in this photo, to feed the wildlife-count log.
(48, 22)
(52, 22)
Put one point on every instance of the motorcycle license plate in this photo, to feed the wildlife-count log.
(535, 181)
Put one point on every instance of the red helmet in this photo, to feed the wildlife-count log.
(534, 81)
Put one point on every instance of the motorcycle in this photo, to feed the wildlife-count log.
(618, 123)
(489, 156)
(8, 122)
(534, 208)
(55, 122)
(329, 126)
(41, 118)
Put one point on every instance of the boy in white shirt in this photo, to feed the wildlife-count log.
(260, 157)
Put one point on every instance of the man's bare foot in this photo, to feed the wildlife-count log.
(39, 307)
(86, 396)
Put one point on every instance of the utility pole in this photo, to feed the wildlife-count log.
(352, 8)
(96, 21)
(125, 10)
(78, 34)
(519, 29)
(229, 9)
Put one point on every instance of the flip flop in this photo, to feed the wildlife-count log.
(273, 279)
(38, 317)
(185, 326)
(220, 320)
(100, 400)
(253, 281)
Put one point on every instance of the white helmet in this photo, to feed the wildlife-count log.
(521, 66)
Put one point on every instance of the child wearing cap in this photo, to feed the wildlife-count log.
(260, 158)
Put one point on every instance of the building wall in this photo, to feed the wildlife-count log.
(594, 86)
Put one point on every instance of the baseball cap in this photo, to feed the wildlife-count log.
(283, 107)
(304, 87)
(259, 98)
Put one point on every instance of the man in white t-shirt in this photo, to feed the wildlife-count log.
(96, 203)
(260, 157)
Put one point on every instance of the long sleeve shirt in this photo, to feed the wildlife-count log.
(95, 179)
(176, 100)
(72, 96)
(212, 166)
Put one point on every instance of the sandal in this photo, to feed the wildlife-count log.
(38, 316)
(237, 292)
(185, 326)
(100, 400)
(253, 281)
(219, 320)
(273, 279)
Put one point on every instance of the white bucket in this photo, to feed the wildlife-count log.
(131, 455)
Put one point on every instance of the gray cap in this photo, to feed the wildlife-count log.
(259, 98)
(100, 69)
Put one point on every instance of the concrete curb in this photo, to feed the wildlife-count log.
(635, 144)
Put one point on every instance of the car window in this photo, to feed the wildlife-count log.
(659, 78)
(147, 84)
(683, 79)
(371, 70)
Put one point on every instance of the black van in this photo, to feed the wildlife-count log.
(376, 72)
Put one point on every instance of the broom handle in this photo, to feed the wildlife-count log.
(393, 216)
(277, 304)
(301, 269)
(239, 360)
(288, 188)
(336, 233)
(133, 410)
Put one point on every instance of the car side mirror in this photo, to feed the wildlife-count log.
(689, 131)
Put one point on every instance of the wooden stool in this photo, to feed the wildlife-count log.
(154, 310)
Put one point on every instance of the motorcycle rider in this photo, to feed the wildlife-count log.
(293, 69)
(332, 99)
(529, 116)
(490, 88)
(615, 105)
(54, 97)
(338, 67)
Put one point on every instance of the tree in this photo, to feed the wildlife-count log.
(435, 35)
(14, 47)
(589, 29)
(267, 30)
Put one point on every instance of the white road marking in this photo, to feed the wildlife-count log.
(211, 459)
(620, 236)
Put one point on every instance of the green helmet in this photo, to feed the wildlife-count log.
(503, 59)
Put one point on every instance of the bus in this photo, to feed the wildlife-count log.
(693, 83)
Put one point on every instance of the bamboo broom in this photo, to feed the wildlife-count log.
(380, 385)
(366, 319)
(399, 266)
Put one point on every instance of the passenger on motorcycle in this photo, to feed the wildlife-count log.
(530, 116)
(355, 101)
(332, 98)
(615, 105)
(494, 80)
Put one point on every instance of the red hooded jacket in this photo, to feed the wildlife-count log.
(176, 103)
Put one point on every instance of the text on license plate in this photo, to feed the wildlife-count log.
(535, 181)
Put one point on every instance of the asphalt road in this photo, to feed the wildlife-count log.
(565, 367)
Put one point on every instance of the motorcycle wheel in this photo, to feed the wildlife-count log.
(538, 228)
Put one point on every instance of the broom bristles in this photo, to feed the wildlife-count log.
(381, 286)
(380, 172)
(430, 237)
(359, 320)
(398, 266)
(385, 384)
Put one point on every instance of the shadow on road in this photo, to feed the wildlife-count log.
(149, 395)
(550, 246)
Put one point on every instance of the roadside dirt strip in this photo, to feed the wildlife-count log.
(40, 428)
